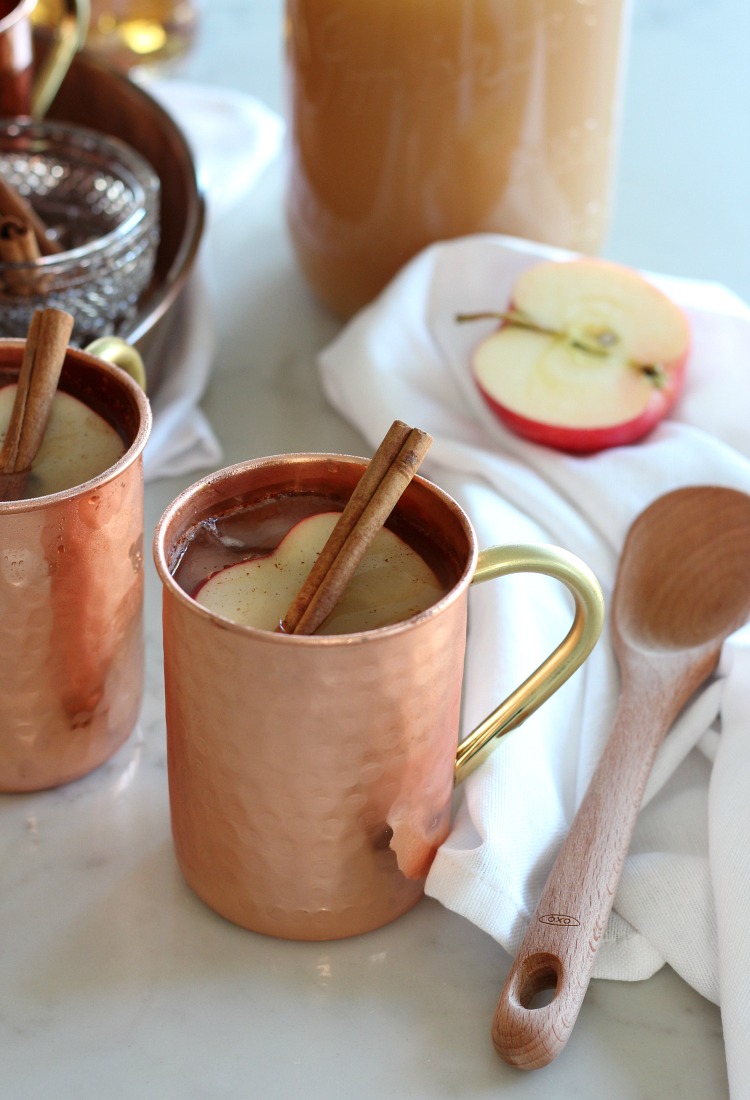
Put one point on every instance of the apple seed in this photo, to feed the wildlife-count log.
(655, 373)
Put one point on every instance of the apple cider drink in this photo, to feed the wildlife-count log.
(413, 121)
(248, 564)
(78, 443)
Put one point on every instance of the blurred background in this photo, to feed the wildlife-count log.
(682, 203)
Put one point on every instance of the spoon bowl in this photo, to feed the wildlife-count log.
(684, 580)
(683, 586)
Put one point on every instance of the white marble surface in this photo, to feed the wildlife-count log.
(116, 981)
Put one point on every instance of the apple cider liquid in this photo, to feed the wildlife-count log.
(78, 443)
(412, 121)
(257, 529)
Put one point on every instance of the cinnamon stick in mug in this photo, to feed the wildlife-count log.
(17, 241)
(14, 205)
(391, 469)
(44, 355)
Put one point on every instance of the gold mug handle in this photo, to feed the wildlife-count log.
(115, 350)
(70, 35)
(552, 561)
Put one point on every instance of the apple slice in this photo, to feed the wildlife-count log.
(590, 355)
(78, 444)
(392, 583)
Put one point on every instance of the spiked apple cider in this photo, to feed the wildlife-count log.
(413, 121)
(78, 443)
(311, 776)
(248, 564)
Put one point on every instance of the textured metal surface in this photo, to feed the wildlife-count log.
(310, 777)
(71, 595)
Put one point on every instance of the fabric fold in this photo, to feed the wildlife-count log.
(233, 138)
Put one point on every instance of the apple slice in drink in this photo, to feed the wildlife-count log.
(78, 444)
(392, 583)
(590, 355)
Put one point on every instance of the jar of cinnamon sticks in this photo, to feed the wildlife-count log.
(79, 228)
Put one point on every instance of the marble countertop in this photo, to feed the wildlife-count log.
(116, 980)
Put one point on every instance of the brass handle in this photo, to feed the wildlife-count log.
(552, 561)
(70, 35)
(115, 350)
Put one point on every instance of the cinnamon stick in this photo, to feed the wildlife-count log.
(44, 354)
(391, 469)
(17, 241)
(14, 205)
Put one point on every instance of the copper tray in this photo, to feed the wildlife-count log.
(93, 95)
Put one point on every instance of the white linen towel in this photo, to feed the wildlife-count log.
(685, 889)
(233, 138)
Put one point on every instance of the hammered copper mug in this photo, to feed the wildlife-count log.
(310, 777)
(71, 593)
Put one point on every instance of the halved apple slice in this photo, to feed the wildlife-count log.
(78, 444)
(392, 583)
(590, 355)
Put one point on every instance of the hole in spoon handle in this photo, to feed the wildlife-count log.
(535, 1013)
(571, 916)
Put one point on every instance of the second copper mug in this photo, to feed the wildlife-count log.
(310, 777)
(71, 592)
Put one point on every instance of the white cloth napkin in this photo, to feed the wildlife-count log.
(233, 138)
(685, 889)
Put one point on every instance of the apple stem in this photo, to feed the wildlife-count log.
(604, 339)
(511, 317)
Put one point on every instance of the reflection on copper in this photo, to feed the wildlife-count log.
(71, 596)
(288, 755)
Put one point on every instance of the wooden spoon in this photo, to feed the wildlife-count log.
(683, 586)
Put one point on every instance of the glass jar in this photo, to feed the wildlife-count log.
(412, 121)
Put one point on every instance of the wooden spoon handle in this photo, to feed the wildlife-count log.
(558, 950)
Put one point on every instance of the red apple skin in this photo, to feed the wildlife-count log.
(590, 440)
(583, 441)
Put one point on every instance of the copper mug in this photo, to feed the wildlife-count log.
(22, 92)
(71, 593)
(310, 777)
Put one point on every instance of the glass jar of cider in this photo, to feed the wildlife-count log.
(413, 121)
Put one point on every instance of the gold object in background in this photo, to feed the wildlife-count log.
(23, 91)
(130, 34)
